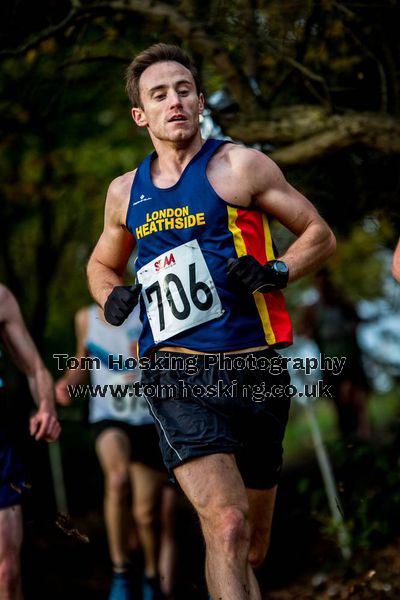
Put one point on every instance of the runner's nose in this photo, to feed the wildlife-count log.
(174, 100)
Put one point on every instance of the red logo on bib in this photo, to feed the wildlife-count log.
(165, 262)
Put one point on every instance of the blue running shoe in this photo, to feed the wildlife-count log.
(121, 588)
(151, 589)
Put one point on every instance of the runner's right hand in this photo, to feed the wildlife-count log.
(44, 425)
(121, 302)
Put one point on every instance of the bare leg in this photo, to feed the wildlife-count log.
(215, 488)
(113, 450)
(147, 485)
(167, 558)
(133, 537)
(261, 504)
(10, 545)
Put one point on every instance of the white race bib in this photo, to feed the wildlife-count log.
(178, 291)
(126, 406)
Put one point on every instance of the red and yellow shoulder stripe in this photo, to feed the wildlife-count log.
(251, 235)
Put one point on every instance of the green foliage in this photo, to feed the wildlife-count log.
(358, 266)
(67, 130)
(371, 502)
(367, 474)
(66, 141)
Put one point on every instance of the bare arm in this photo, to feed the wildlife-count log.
(315, 240)
(396, 263)
(257, 179)
(74, 376)
(109, 258)
(20, 346)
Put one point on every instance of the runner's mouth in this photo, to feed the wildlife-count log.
(177, 119)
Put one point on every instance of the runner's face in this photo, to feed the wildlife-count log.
(171, 106)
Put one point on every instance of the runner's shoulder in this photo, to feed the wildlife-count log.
(240, 157)
(120, 188)
(241, 164)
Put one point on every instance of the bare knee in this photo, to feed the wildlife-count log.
(144, 514)
(117, 483)
(228, 530)
(9, 576)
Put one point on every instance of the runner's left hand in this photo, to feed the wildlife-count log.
(249, 274)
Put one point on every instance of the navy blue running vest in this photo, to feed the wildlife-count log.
(185, 235)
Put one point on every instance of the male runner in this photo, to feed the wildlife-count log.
(198, 211)
(43, 426)
(128, 451)
(396, 263)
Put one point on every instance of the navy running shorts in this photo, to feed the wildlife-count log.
(143, 441)
(13, 475)
(235, 406)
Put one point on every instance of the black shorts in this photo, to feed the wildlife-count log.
(143, 440)
(13, 473)
(221, 410)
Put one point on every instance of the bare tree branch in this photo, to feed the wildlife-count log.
(362, 39)
(43, 35)
(308, 131)
(308, 73)
(381, 71)
(178, 23)
(279, 125)
(368, 129)
(200, 41)
(97, 58)
(344, 9)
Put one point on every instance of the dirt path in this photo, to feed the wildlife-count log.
(380, 581)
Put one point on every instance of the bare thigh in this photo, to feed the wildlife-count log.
(147, 485)
(212, 483)
(113, 450)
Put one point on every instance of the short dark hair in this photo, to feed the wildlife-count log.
(156, 53)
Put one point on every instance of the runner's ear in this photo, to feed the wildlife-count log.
(138, 115)
(201, 103)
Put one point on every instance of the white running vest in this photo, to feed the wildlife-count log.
(104, 341)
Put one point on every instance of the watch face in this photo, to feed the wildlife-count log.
(281, 267)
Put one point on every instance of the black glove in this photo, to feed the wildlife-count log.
(247, 272)
(121, 302)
